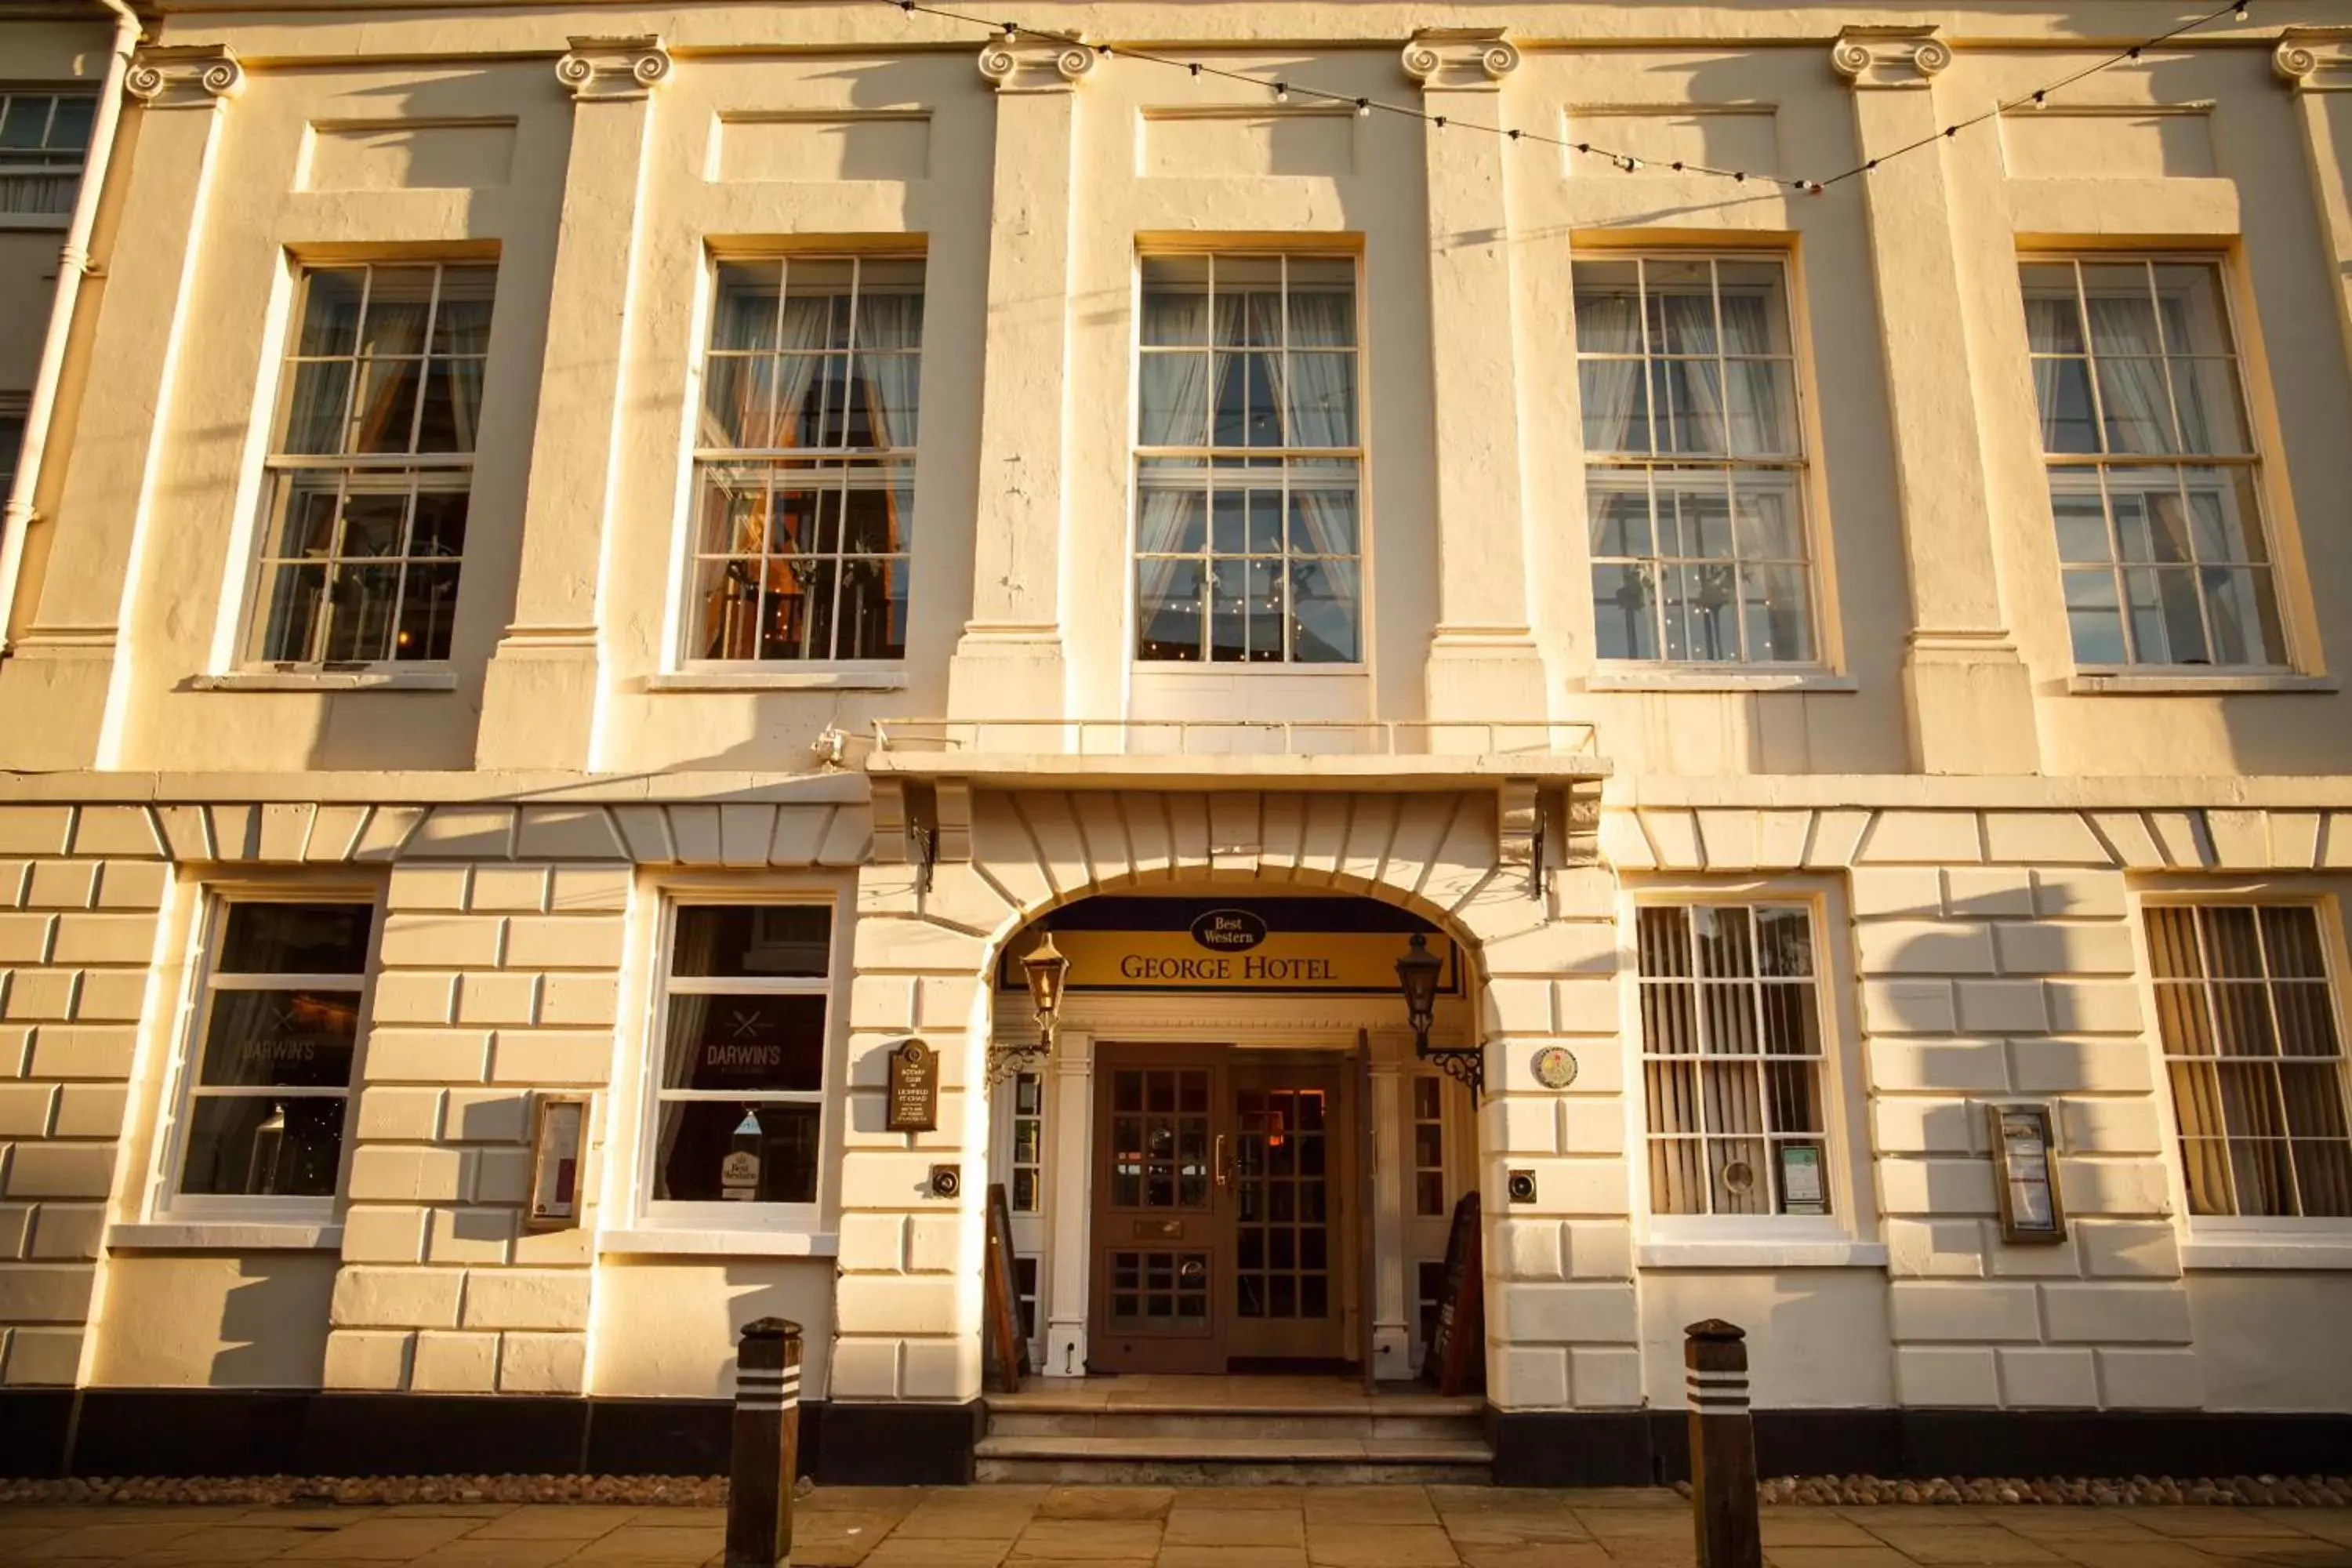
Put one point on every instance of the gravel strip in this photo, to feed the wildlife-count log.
(2251, 1491)
(711, 1491)
(677, 1491)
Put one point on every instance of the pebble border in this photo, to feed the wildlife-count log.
(711, 1491)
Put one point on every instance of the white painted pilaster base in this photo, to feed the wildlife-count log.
(539, 702)
(1009, 672)
(1483, 674)
(1971, 705)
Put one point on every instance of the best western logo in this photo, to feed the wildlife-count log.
(1229, 931)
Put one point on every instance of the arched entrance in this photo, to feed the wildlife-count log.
(1233, 1160)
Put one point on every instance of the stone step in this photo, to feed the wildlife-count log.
(1196, 1458)
(1129, 1422)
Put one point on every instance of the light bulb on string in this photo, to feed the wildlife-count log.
(1282, 92)
(1363, 109)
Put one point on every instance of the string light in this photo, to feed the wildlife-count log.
(1282, 91)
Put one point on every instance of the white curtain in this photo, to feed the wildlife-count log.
(468, 341)
(695, 943)
(2131, 374)
(1166, 506)
(890, 322)
(1616, 413)
(38, 192)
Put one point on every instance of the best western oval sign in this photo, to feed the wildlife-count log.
(1229, 931)
(1284, 944)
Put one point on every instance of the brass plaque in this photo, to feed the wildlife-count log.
(1160, 1230)
(914, 1087)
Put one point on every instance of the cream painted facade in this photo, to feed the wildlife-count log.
(1975, 824)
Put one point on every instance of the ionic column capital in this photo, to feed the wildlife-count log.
(1889, 57)
(1459, 59)
(606, 69)
(184, 76)
(1029, 64)
(2314, 59)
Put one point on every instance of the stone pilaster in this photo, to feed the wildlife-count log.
(538, 698)
(1970, 697)
(1483, 661)
(1009, 662)
(2316, 63)
(62, 694)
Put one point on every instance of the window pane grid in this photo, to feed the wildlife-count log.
(44, 144)
(2152, 482)
(1248, 511)
(1687, 376)
(2254, 1058)
(739, 1104)
(372, 472)
(1731, 1049)
(805, 461)
(1028, 1160)
(269, 1073)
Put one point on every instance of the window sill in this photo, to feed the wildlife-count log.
(658, 1242)
(1662, 680)
(779, 680)
(2253, 1249)
(328, 680)
(2188, 684)
(36, 220)
(1760, 1254)
(226, 1235)
(1225, 671)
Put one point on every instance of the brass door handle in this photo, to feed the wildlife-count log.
(1217, 1162)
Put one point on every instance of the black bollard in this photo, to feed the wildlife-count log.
(767, 1442)
(1722, 1447)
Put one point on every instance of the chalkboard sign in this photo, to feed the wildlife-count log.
(1455, 1355)
(914, 1089)
(1006, 1353)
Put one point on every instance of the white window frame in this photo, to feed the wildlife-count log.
(280, 468)
(1801, 467)
(45, 161)
(166, 1202)
(1844, 1236)
(677, 662)
(2284, 659)
(720, 1217)
(2254, 1241)
(1313, 247)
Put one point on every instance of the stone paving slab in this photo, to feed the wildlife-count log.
(1159, 1527)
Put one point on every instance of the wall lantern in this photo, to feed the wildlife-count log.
(1417, 973)
(1046, 969)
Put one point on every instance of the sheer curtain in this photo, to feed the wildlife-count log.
(695, 942)
(468, 341)
(1616, 409)
(1315, 385)
(890, 322)
(2138, 412)
(1177, 415)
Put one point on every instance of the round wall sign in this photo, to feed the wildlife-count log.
(1555, 1066)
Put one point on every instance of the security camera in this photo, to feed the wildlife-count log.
(947, 1181)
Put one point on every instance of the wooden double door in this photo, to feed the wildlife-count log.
(1224, 1229)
